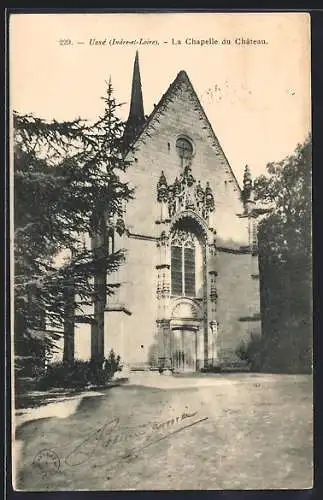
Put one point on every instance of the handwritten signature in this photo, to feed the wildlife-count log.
(111, 433)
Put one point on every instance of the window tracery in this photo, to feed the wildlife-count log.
(183, 272)
(184, 148)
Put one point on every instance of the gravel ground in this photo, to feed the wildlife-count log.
(238, 431)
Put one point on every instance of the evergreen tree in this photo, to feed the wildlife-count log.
(67, 183)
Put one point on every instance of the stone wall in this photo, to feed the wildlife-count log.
(238, 304)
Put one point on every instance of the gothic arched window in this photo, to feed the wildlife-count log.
(183, 264)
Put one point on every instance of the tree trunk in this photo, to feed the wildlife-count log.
(97, 333)
(69, 320)
(97, 337)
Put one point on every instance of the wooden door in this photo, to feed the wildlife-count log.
(189, 348)
(184, 351)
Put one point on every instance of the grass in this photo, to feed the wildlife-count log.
(256, 434)
(36, 398)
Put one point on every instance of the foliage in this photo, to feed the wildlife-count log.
(68, 182)
(252, 351)
(80, 374)
(285, 257)
(113, 362)
(211, 369)
(287, 189)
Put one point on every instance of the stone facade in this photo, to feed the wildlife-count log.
(186, 197)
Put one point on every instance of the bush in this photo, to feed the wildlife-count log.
(80, 374)
(291, 350)
(252, 352)
(211, 369)
(112, 364)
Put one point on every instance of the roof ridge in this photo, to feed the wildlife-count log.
(180, 75)
(180, 78)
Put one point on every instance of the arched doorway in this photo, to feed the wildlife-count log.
(184, 327)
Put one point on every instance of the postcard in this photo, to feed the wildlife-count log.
(160, 201)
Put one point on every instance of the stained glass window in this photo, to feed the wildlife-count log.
(183, 264)
(189, 271)
(176, 271)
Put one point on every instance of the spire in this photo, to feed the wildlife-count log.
(136, 116)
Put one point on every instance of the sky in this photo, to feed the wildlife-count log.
(256, 96)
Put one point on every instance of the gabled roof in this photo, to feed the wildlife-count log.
(181, 79)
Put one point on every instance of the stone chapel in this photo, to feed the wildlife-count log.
(189, 288)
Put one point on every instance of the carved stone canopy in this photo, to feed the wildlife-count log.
(120, 226)
(186, 194)
(162, 188)
(247, 184)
